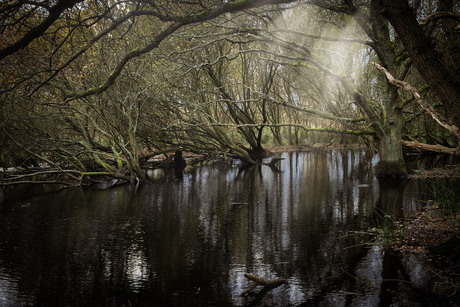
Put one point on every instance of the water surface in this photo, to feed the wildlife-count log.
(189, 242)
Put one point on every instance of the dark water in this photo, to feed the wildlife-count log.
(189, 242)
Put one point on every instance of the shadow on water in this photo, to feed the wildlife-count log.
(189, 242)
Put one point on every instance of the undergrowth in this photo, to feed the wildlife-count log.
(446, 197)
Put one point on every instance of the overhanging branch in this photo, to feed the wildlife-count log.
(205, 15)
(37, 31)
(420, 100)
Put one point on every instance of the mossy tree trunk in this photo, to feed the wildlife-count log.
(391, 164)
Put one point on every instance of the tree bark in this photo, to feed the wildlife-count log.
(442, 80)
(391, 164)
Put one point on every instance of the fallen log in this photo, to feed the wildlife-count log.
(427, 147)
(270, 283)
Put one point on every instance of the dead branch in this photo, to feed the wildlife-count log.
(420, 100)
(427, 147)
(275, 159)
(440, 15)
(270, 283)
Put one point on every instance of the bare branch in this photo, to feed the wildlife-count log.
(439, 15)
(329, 130)
(34, 33)
(325, 38)
(420, 100)
(428, 147)
(202, 16)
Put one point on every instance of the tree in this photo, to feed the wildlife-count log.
(435, 62)
(383, 110)
(225, 94)
(74, 52)
(384, 106)
(87, 85)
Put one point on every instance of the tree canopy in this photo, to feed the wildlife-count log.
(97, 87)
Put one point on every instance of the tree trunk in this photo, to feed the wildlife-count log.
(443, 81)
(257, 154)
(391, 164)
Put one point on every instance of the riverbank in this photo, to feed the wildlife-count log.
(434, 237)
(450, 171)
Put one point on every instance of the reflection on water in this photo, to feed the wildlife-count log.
(189, 241)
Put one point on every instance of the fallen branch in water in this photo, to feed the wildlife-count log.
(270, 283)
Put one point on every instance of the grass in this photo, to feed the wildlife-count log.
(446, 194)
(388, 232)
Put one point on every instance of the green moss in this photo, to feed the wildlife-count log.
(296, 64)
(303, 64)
(95, 89)
(401, 58)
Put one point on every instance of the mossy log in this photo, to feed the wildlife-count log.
(270, 283)
(427, 147)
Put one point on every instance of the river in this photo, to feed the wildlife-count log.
(189, 241)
